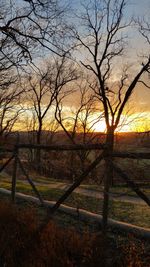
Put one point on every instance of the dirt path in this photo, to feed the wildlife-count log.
(91, 193)
(95, 193)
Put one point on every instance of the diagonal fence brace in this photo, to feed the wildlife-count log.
(6, 163)
(76, 183)
(130, 183)
(31, 183)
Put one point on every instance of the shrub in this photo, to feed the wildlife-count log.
(22, 245)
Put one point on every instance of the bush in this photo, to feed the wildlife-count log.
(21, 245)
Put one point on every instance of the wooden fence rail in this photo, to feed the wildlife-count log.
(103, 155)
(62, 147)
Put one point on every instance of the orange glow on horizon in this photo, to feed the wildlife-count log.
(138, 122)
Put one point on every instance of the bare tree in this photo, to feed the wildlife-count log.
(26, 25)
(43, 89)
(78, 121)
(10, 107)
(103, 40)
(26, 28)
(46, 86)
(144, 29)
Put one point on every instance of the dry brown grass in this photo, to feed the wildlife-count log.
(59, 247)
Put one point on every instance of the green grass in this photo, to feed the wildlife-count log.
(123, 189)
(130, 213)
(127, 212)
(129, 192)
(119, 189)
(43, 179)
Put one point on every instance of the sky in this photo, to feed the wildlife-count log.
(140, 100)
(137, 8)
(141, 96)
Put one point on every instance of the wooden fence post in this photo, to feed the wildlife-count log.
(14, 173)
(14, 176)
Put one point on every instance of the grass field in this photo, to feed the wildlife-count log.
(127, 212)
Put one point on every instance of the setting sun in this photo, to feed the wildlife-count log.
(137, 122)
(74, 133)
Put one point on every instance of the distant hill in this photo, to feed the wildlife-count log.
(124, 138)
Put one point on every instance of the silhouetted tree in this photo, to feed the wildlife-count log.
(78, 120)
(26, 28)
(43, 89)
(10, 105)
(102, 37)
(27, 25)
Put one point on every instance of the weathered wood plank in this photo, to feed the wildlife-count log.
(63, 147)
(14, 176)
(130, 183)
(131, 155)
(76, 184)
(6, 163)
(31, 183)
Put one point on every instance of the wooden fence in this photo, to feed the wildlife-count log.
(102, 155)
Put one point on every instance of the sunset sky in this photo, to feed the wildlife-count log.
(140, 100)
(139, 104)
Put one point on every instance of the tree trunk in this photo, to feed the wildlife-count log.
(38, 152)
(108, 175)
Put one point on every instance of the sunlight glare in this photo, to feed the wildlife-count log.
(100, 126)
(138, 122)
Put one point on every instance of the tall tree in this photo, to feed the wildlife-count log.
(26, 28)
(102, 38)
(44, 87)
